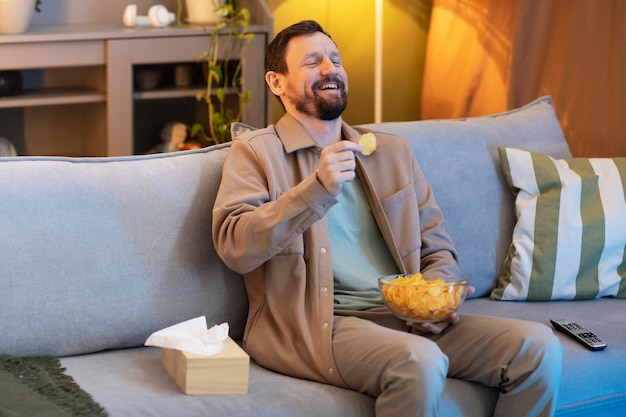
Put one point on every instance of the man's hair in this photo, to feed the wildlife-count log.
(275, 53)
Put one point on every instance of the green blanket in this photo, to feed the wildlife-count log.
(38, 387)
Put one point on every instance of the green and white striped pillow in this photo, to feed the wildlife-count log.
(569, 241)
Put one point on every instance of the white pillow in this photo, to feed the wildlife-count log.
(569, 241)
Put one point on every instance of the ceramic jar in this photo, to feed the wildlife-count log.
(15, 15)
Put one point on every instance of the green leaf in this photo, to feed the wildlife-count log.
(196, 129)
(218, 119)
(245, 17)
(215, 72)
(224, 10)
(221, 94)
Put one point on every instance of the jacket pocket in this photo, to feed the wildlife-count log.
(401, 213)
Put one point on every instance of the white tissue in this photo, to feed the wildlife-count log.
(191, 336)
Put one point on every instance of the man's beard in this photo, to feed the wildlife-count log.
(317, 106)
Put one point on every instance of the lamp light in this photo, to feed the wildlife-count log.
(378, 62)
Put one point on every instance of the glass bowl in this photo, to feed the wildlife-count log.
(411, 298)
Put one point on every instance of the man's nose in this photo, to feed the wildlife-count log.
(328, 67)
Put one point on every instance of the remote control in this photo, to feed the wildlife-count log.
(577, 332)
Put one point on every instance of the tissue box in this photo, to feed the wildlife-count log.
(223, 373)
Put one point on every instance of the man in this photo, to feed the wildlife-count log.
(311, 223)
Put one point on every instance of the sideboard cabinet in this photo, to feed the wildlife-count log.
(80, 94)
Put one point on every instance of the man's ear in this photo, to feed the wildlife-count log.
(275, 82)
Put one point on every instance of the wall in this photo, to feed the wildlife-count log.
(351, 24)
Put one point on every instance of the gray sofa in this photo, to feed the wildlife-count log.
(96, 254)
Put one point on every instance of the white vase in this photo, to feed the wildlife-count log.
(202, 12)
(15, 15)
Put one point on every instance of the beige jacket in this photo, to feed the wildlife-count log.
(269, 224)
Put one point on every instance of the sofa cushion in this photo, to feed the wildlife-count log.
(569, 241)
(468, 182)
(132, 382)
(110, 250)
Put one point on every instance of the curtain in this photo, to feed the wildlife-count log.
(488, 56)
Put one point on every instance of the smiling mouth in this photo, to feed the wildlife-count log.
(329, 86)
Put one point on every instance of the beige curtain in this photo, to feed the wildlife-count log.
(487, 56)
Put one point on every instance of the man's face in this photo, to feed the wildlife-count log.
(316, 83)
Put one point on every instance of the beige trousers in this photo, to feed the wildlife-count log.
(406, 372)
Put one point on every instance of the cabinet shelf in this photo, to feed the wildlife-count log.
(53, 97)
(174, 92)
(81, 95)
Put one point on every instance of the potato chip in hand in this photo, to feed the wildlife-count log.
(368, 142)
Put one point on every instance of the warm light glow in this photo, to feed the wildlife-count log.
(469, 61)
(378, 63)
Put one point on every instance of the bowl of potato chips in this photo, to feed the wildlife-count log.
(413, 298)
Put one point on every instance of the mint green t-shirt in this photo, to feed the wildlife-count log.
(359, 252)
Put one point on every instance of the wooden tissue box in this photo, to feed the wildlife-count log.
(223, 373)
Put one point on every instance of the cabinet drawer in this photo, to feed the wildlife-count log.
(51, 54)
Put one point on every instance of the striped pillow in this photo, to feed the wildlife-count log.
(570, 238)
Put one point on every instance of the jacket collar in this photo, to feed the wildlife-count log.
(294, 137)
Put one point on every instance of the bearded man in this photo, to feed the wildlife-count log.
(311, 223)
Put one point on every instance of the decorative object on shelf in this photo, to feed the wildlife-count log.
(175, 137)
(15, 15)
(11, 82)
(148, 77)
(203, 12)
(182, 75)
(7, 148)
(224, 61)
(158, 17)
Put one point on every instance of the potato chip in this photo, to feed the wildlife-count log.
(368, 141)
(413, 297)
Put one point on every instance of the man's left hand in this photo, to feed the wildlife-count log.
(436, 328)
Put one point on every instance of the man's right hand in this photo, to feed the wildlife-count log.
(337, 164)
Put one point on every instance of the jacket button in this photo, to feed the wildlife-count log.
(325, 326)
(323, 250)
(330, 370)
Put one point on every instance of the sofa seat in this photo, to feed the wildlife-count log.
(585, 390)
(147, 389)
(132, 382)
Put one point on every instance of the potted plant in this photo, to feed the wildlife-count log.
(223, 62)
